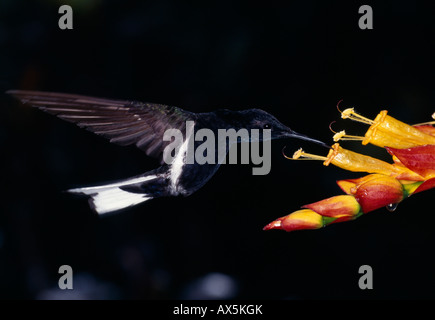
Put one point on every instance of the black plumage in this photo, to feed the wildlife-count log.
(126, 123)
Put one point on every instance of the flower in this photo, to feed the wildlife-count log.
(356, 162)
(386, 131)
(374, 191)
(428, 184)
(413, 152)
(426, 129)
(298, 220)
(420, 159)
(365, 194)
(336, 207)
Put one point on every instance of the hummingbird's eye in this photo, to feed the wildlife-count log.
(267, 126)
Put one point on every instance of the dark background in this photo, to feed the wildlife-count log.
(295, 61)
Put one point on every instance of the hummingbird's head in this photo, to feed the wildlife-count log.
(260, 119)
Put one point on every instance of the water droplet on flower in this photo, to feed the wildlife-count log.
(392, 206)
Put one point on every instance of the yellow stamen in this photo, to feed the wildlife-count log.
(309, 156)
(356, 162)
(351, 114)
(343, 136)
(423, 123)
(297, 154)
(301, 155)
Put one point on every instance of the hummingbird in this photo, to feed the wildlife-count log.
(143, 124)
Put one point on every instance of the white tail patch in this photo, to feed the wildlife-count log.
(116, 199)
(110, 197)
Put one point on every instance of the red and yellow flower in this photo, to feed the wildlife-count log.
(413, 170)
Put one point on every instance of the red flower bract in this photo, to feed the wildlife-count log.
(419, 159)
(377, 192)
(336, 207)
(428, 184)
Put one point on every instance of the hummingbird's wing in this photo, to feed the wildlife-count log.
(123, 122)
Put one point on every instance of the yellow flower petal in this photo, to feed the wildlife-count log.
(387, 131)
(356, 162)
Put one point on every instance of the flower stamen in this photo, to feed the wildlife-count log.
(330, 126)
(423, 123)
(352, 161)
(343, 136)
(301, 155)
(350, 113)
(338, 103)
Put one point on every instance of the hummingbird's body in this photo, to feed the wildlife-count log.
(144, 125)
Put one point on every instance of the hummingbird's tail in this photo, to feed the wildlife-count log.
(124, 193)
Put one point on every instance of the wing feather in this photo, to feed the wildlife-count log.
(123, 122)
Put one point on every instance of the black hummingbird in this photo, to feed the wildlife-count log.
(144, 124)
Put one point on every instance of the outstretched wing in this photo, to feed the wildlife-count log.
(123, 122)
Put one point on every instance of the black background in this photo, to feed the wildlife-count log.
(295, 61)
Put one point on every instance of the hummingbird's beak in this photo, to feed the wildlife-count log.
(293, 134)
